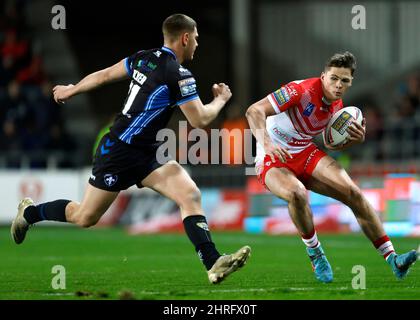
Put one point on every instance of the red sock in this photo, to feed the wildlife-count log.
(384, 246)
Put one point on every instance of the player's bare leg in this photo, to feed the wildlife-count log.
(94, 204)
(283, 183)
(85, 214)
(172, 181)
(330, 179)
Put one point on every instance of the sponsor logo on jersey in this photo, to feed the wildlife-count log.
(342, 122)
(146, 66)
(157, 53)
(187, 86)
(281, 134)
(299, 143)
(309, 109)
(310, 158)
(110, 179)
(151, 65)
(289, 139)
(92, 177)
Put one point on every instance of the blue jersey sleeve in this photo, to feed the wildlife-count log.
(129, 62)
(185, 86)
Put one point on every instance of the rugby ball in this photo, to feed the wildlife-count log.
(336, 131)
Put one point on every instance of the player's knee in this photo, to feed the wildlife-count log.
(298, 196)
(354, 196)
(193, 194)
(86, 220)
(188, 196)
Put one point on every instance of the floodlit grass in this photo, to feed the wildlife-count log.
(106, 263)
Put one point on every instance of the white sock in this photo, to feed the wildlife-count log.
(312, 242)
(386, 249)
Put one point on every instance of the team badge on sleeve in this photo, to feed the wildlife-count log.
(282, 96)
(184, 72)
(187, 87)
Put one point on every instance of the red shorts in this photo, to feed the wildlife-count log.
(302, 164)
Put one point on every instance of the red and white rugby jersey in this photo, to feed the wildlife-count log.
(302, 113)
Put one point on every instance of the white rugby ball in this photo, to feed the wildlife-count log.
(336, 131)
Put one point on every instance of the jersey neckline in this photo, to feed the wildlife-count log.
(168, 50)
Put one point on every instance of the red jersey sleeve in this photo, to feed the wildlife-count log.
(285, 97)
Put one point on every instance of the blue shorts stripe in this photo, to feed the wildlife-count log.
(41, 211)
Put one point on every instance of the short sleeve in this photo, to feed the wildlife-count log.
(129, 63)
(184, 86)
(285, 97)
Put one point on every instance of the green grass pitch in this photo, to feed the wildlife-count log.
(102, 263)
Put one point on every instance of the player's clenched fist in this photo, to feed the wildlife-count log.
(62, 93)
(222, 90)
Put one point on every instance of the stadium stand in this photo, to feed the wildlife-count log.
(31, 123)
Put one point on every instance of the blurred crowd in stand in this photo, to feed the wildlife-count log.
(31, 124)
(393, 135)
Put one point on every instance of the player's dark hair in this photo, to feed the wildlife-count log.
(176, 24)
(342, 60)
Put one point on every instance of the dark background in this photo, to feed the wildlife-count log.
(102, 33)
(254, 46)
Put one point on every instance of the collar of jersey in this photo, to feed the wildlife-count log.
(166, 49)
(324, 100)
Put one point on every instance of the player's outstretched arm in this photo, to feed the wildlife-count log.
(90, 82)
(257, 115)
(199, 115)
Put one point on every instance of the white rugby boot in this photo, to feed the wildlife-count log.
(20, 226)
(226, 264)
